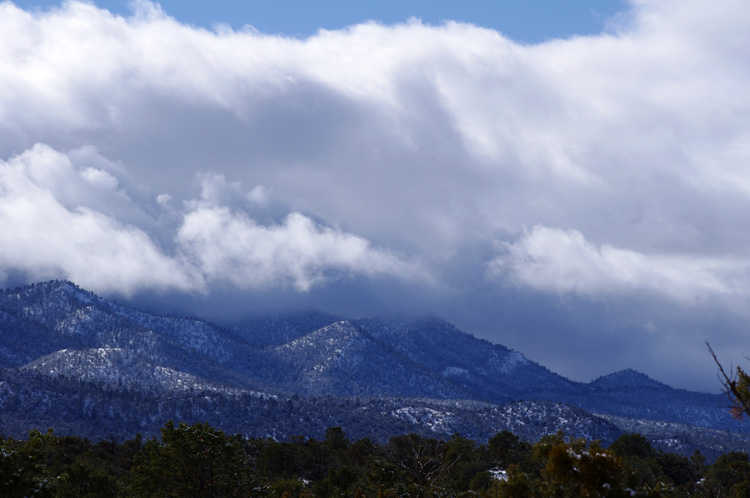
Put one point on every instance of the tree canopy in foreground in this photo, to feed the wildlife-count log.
(201, 461)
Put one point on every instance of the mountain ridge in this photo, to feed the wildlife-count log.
(626, 378)
(60, 333)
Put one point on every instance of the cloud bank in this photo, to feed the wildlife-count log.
(602, 174)
(565, 262)
(62, 220)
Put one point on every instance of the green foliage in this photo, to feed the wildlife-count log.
(287, 488)
(279, 460)
(82, 480)
(574, 468)
(731, 474)
(200, 461)
(518, 485)
(422, 461)
(739, 392)
(677, 471)
(736, 387)
(23, 465)
(194, 461)
(506, 449)
(640, 457)
(463, 463)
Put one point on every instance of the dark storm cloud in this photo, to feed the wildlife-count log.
(576, 198)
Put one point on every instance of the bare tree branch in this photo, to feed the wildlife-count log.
(735, 386)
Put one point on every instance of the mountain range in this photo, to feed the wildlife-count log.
(72, 360)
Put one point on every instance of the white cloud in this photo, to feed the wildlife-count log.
(52, 228)
(419, 137)
(563, 261)
(230, 247)
(418, 143)
(259, 195)
(47, 233)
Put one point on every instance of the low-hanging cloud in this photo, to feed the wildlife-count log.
(53, 229)
(230, 247)
(50, 229)
(563, 261)
(190, 160)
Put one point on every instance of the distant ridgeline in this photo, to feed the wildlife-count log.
(90, 367)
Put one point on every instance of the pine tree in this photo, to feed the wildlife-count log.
(195, 461)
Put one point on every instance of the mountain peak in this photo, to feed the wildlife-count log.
(334, 336)
(278, 329)
(627, 378)
(50, 288)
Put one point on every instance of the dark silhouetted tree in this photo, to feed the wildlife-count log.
(194, 461)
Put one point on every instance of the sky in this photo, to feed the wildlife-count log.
(530, 21)
(568, 179)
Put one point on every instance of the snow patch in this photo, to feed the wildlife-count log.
(436, 421)
(511, 361)
(499, 474)
(455, 372)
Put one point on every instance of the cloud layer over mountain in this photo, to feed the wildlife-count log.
(585, 197)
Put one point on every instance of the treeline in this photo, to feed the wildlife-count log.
(201, 461)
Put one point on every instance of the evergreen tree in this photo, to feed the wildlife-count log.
(23, 466)
(574, 468)
(194, 461)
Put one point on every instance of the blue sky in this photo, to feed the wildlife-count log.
(529, 21)
(568, 180)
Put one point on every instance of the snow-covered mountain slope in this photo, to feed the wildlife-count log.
(116, 368)
(49, 317)
(344, 360)
(629, 393)
(275, 330)
(82, 408)
(69, 342)
(491, 371)
(682, 438)
(64, 309)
